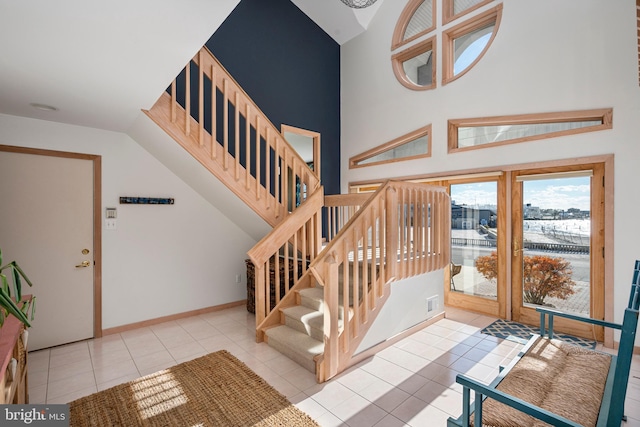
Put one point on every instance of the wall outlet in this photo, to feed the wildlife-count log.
(238, 278)
(432, 303)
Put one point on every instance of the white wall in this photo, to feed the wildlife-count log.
(160, 260)
(547, 56)
(405, 307)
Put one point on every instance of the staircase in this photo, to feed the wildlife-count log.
(311, 300)
(301, 336)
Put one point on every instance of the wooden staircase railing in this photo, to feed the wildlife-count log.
(403, 230)
(400, 231)
(227, 133)
(282, 257)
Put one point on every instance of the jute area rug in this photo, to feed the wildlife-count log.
(213, 390)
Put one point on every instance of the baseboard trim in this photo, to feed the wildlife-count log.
(394, 339)
(150, 322)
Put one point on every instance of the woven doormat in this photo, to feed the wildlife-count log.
(213, 390)
(521, 333)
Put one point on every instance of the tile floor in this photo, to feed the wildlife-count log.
(411, 383)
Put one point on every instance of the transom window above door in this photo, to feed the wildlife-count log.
(464, 40)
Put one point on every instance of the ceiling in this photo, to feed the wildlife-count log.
(100, 63)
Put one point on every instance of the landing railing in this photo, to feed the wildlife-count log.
(225, 131)
(402, 230)
(339, 208)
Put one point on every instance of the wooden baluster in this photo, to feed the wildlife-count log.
(258, 158)
(365, 268)
(267, 167)
(423, 229)
(225, 125)
(391, 237)
(433, 230)
(285, 191)
(286, 267)
(331, 350)
(415, 228)
(355, 277)
(347, 321)
(276, 276)
(237, 130)
(214, 118)
(304, 244)
(260, 294)
(374, 258)
(382, 243)
(174, 101)
(296, 235)
(187, 100)
(247, 149)
(201, 97)
(277, 172)
(417, 231)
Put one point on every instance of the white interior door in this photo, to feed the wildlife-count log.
(46, 225)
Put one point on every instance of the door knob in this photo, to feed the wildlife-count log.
(83, 264)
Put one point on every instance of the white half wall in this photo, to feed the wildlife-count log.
(406, 307)
(161, 260)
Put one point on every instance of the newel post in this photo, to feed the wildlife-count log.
(391, 233)
(331, 309)
(260, 299)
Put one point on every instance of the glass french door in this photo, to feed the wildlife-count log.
(557, 246)
(476, 277)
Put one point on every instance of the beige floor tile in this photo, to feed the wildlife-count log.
(110, 372)
(70, 356)
(417, 413)
(70, 384)
(37, 393)
(118, 381)
(187, 350)
(57, 373)
(107, 344)
(101, 360)
(77, 394)
(159, 358)
(140, 349)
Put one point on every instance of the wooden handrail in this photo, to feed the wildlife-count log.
(237, 143)
(285, 231)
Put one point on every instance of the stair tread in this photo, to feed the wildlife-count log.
(308, 316)
(313, 293)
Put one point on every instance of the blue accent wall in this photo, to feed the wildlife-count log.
(290, 67)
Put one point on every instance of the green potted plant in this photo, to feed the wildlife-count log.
(15, 304)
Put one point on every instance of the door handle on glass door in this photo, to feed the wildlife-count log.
(83, 264)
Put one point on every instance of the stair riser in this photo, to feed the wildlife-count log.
(308, 364)
(305, 328)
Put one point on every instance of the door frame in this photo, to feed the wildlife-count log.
(315, 136)
(97, 220)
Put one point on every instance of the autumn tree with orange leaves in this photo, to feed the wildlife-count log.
(544, 276)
